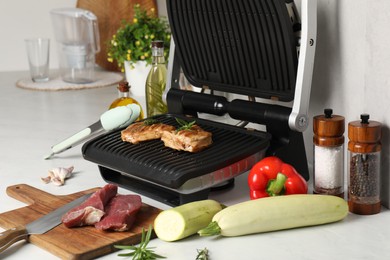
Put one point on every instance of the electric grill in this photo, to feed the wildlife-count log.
(258, 49)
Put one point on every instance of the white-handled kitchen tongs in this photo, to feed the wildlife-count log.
(112, 119)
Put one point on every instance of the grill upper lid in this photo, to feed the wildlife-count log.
(244, 47)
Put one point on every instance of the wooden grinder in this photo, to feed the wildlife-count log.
(328, 143)
(364, 148)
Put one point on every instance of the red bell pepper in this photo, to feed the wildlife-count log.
(272, 177)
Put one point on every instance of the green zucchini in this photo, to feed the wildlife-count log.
(276, 213)
(185, 220)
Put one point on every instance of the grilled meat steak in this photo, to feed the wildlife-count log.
(138, 132)
(121, 212)
(191, 140)
(90, 211)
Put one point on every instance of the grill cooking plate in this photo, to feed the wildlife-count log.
(234, 151)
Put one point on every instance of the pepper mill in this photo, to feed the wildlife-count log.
(328, 141)
(364, 152)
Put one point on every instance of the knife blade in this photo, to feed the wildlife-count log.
(39, 226)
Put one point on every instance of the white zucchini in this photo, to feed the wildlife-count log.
(185, 220)
(276, 213)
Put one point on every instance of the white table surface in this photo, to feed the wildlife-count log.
(32, 121)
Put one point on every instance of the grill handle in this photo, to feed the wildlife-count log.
(266, 114)
(187, 102)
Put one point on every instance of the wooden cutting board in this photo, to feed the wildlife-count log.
(70, 243)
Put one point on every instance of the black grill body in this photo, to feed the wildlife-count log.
(177, 175)
(244, 47)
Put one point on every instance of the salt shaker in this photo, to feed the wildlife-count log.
(364, 152)
(328, 141)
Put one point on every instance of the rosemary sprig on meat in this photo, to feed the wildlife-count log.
(141, 252)
(184, 125)
(150, 121)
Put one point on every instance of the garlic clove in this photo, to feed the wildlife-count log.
(57, 182)
(58, 175)
(46, 179)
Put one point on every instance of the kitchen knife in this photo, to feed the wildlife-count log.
(112, 119)
(39, 226)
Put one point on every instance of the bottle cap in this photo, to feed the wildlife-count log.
(157, 44)
(328, 129)
(123, 86)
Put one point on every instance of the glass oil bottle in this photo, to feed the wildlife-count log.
(156, 81)
(124, 98)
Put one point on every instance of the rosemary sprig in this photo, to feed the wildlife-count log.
(141, 252)
(203, 254)
(150, 121)
(184, 125)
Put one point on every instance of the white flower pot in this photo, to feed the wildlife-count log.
(136, 77)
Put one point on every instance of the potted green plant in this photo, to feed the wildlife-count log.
(130, 47)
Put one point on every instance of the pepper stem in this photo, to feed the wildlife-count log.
(211, 230)
(275, 187)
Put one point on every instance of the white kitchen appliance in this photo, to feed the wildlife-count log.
(77, 34)
(259, 49)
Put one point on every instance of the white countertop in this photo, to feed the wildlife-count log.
(32, 121)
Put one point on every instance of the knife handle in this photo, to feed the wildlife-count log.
(11, 236)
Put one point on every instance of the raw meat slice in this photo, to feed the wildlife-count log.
(140, 131)
(121, 213)
(91, 210)
(191, 140)
(83, 217)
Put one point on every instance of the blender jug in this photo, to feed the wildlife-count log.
(77, 35)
